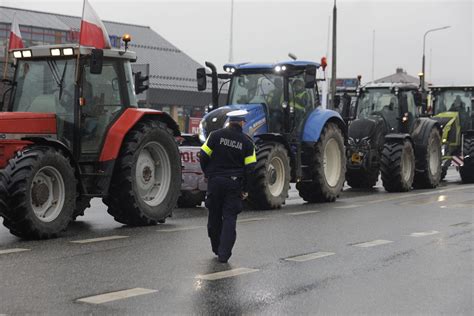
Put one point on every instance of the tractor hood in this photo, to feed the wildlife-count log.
(26, 123)
(366, 129)
(444, 120)
(255, 120)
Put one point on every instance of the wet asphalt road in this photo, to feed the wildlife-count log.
(369, 252)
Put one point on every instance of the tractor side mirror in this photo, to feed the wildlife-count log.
(140, 86)
(201, 79)
(97, 60)
(310, 77)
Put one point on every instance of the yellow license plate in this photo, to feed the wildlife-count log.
(356, 158)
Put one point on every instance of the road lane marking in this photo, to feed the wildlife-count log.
(423, 234)
(13, 250)
(349, 206)
(225, 274)
(179, 229)
(246, 220)
(302, 213)
(373, 243)
(115, 296)
(310, 256)
(92, 240)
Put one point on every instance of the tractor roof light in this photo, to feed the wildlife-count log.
(17, 54)
(68, 51)
(55, 52)
(26, 53)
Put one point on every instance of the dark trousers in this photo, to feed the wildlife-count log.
(224, 204)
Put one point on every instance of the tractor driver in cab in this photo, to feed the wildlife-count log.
(300, 99)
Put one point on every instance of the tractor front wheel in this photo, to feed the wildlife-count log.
(329, 168)
(397, 166)
(467, 170)
(271, 180)
(147, 178)
(40, 196)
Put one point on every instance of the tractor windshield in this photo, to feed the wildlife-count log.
(453, 101)
(257, 88)
(44, 86)
(377, 102)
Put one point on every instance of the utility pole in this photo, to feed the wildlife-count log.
(231, 40)
(334, 51)
(373, 56)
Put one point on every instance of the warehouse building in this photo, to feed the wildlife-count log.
(172, 73)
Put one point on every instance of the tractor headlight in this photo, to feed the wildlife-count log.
(26, 53)
(201, 133)
(17, 54)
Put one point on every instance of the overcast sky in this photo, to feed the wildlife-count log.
(268, 30)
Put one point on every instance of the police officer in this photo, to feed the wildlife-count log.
(227, 159)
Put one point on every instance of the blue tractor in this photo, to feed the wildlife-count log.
(297, 140)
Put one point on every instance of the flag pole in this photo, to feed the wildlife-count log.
(79, 47)
(6, 60)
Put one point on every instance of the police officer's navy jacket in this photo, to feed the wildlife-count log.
(228, 152)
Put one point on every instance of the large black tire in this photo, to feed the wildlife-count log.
(3, 194)
(362, 180)
(189, 199)
(34, 177)
(467, 170)
(147, 145)
(271, 181)
(397, 166)
(429, 165)
(326, 186)
(82, 203)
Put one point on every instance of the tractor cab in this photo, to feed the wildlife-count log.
(278, 96)
(447, 101)
(394, 104)
(85, 95)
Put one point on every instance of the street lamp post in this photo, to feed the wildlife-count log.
(422, 77)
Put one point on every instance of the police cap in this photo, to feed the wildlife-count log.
(237, 116)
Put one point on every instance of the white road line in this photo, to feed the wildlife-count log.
(13, 250)
(114, 296)
(373, 243)
(302, 213)
(245, 220)
(349, 206)
(87, 241)
(179, 229)
(423, 234)
(310, 256)
(225, 274)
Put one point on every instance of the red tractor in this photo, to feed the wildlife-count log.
(70, 131)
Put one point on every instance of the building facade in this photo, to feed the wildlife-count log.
(173, 86)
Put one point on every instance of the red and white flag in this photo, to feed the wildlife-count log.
(93, 32)
(15, 41)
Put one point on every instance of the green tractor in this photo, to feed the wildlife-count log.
(453, 108)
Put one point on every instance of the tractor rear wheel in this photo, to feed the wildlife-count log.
(271, 181)
(358, 179)
(467, 170)
(147, 177)
(397, 166)
(430, 164)
(329, 168)
(40, 193)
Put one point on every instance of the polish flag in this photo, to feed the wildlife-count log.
(93, 32)
(15, 41)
